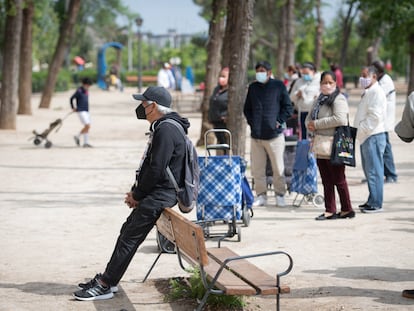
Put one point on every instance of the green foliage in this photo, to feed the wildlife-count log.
(193, 288)
(64, 81)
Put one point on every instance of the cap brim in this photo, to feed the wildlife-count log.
(139, 97)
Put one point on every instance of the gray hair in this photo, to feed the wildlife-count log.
(372, 70)
(164, 110)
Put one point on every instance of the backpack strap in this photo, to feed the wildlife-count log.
(169, 172)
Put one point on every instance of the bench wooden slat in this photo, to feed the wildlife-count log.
(189, 237)
(228, 282)
(265, 283)
(165, 228)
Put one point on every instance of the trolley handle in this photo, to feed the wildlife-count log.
(218, 146)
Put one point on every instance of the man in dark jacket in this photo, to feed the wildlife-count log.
(151, 193)
(267, 107)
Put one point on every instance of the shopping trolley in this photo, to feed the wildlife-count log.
(224, 193)
(304, 176)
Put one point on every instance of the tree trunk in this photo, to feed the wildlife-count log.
(281, 42)
(10, 68)
(411, 55)
(240, 21)
(372, 50)
(25, 76)
(319, 35)
(290, 33)
(214, 47)
(346, 32)
(59, 55)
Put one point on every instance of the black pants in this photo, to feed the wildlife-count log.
(134, 231)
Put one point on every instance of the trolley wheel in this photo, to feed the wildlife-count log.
(318, 200)
(246, 216)
(238, 229)
(48, 144)
(37, 141)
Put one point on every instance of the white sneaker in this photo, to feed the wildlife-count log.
(260, 200)
(280, 200)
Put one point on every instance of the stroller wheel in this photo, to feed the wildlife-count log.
(318, 200)
(37, 141)
(48, 144)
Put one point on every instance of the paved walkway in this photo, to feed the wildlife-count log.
(61, 210)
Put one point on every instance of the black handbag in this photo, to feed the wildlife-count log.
(343, 147)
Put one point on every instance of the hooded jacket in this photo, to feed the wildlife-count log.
(167, 148)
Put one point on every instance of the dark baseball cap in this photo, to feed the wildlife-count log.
(156, 94)
(266, 65)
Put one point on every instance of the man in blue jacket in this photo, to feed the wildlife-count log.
(151, 193)
(267, 107)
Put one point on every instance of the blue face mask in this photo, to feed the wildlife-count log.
(307, 78)
(261, 77)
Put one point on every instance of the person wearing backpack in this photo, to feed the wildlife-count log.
(152, 191)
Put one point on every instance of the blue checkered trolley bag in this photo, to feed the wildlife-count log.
(304, 176)
(223, 195)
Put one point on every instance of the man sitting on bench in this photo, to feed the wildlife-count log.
(151, 193)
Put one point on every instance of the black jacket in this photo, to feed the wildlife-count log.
(266, 106)
(218, 105)
(167, 149)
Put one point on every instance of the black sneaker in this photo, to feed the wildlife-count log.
(92, 283)
(371, 209)
(95, 292)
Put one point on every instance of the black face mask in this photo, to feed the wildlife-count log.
(140, 112)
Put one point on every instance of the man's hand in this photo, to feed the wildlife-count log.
(129, 200)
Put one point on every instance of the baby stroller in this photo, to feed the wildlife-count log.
(224, 192)
(304, 176)
(40, 137)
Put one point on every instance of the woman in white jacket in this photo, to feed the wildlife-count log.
(304, 92)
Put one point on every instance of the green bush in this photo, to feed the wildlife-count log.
(193, 288)
(63, 83)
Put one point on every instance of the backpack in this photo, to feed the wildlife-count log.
(186, 195)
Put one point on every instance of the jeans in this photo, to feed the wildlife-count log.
(372, 159)
(389, 166)
(134, 231)
(334, 176)
(274, 148)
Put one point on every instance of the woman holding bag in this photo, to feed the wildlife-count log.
(330, 110)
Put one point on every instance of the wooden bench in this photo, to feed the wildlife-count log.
(223, 272)
(144, 79)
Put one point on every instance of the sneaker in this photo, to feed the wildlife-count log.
(280, 201)
(92, 283)
(371, 209)
(96, 292)
(77, 141)
(408, 293)
(87, 146)
(390, 180)
(260, 200)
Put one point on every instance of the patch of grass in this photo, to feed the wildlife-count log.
(192, 287)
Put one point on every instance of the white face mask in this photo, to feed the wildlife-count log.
(365, 82)
(261, 77)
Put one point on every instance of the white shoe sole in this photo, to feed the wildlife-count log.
(114, 289)
(100, 297)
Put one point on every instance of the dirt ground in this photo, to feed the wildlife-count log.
(61, 210)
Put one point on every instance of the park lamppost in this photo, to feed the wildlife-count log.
(139, 22)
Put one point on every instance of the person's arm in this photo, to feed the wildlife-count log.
(73, 98)
(375, 111)
(286, 108)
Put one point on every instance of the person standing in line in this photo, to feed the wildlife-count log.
(370, 122)
(387, 85)
(339, 76)
(151, 193)
(165, 77)
(81, 96)
(304, 92)
(405, 131)
(267, 107)
(217, 113)
(329, 111)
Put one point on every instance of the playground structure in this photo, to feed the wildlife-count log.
(102, 66)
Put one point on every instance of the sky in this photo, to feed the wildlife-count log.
(183, 15)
